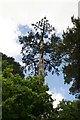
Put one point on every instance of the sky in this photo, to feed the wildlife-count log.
(14, 13)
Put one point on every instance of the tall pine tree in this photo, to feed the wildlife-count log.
(40, 49)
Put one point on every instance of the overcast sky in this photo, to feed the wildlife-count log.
(26, 12)
(14, 12)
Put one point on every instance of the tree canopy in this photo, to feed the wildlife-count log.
(9, 62)
(71, 54)
(68, 110)
(25, 99)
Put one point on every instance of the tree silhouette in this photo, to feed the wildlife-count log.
(40, 48)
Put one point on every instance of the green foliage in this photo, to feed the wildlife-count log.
(27, 99)
(9, 62)
(68, 110)
(24, 98)
(71, 53)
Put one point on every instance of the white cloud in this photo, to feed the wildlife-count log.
(8, 35)
(57, 97)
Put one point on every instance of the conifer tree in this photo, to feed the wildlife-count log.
(71, 53)
(40, 48)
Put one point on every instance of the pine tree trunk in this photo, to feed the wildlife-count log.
(41, 57)
(41, 60)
